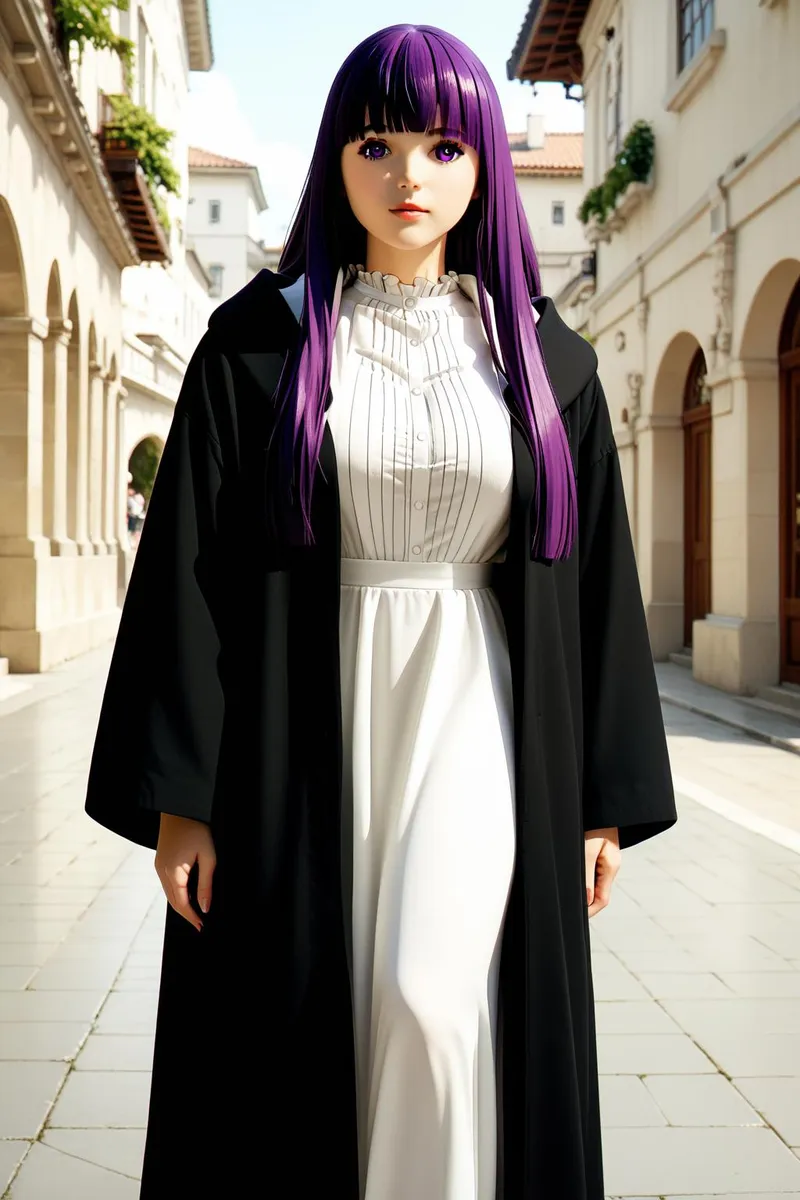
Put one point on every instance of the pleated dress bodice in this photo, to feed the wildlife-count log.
(419, 423)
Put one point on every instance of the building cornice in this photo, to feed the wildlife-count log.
(198, 34)
(247, 172)
(32, 63)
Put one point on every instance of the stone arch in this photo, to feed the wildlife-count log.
(13, 288)
(767, 495)
(661, 447)
(76, 407)
(17, 518)
(788, 482)
(55, 307)
(143, 462)
(670, 378)
(142, 468)
(762, 324)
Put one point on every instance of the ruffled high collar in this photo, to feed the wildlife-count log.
(390, 285)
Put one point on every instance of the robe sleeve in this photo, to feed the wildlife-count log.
(627, 780)
(160, 725)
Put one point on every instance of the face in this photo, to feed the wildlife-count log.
(383, 172)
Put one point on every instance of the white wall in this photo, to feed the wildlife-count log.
(559, 248)
(225, 242)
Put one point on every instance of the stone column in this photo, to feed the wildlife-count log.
(77, 449)
(121, 475)
(737, 646)
(95, 465)
(56, 352)
(22, 543)
(660, 528)
(124, 550)
(110, 477)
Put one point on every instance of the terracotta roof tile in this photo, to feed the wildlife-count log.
(205, 158)
(561, 154)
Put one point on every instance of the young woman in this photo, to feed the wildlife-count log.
(396, 706)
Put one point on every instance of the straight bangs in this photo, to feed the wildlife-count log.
(405, 87)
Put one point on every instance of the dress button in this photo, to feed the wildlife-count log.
(415, 341)
(416, 391)
(415, 549)
(409, 302)
(420, 437)
(418, 504)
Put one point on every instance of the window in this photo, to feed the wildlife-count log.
(215, 271)
(558, 212)
(695, 24)
(214, 211)
(614, 106)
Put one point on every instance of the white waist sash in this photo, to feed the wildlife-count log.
(365, 572)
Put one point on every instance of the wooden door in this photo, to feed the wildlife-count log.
(790, 492)
(696, 498)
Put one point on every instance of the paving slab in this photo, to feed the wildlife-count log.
(671, 1160)
(47, 1172)
(696, 967)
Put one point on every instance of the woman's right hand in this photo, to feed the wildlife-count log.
(183, 842)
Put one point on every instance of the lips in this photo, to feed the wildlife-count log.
(408, 208)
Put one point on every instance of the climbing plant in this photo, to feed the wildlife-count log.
(88, 22)
(633, 164)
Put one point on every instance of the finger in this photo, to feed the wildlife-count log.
(180, 898)
(602, 888)
(591, 865)
(205, 864)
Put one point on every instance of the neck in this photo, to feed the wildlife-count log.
(427, 261)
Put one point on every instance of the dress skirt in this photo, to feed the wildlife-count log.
(429, 771)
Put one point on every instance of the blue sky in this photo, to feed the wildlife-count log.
(274, 64)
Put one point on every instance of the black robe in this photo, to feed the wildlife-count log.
(223, 704)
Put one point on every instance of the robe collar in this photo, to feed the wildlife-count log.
(258, 318)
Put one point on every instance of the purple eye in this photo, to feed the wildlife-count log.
(452, 150)
(368, 147)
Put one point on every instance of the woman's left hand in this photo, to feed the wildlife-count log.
(603, 859)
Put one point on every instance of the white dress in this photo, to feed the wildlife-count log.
(423, 445)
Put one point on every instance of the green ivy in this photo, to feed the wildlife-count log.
(143, 466)
(592, 204)
(633, 164)
(88, 21)
(141, 132)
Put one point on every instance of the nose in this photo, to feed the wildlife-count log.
(408, 174)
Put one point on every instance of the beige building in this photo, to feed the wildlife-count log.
(696, 307)
(549, 171)
(73, 216)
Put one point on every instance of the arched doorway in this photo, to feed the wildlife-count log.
(142, 468)
(696, 496)
(789, 352)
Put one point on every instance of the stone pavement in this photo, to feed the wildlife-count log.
(697, 970)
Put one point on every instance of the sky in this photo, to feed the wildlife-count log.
(274, 64)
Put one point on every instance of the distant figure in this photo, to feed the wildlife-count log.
(136, 510)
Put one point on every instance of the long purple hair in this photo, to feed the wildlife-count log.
(403, 78)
